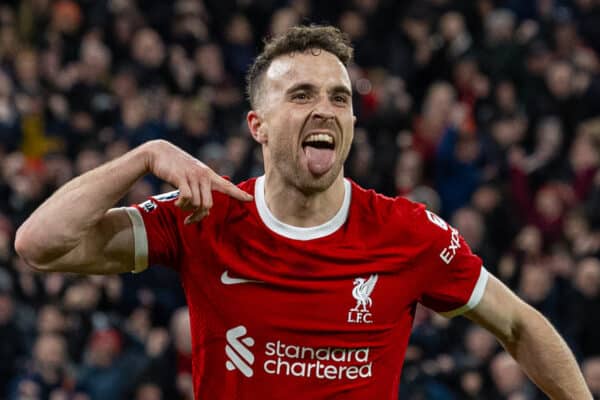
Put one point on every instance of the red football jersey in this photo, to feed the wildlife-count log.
(324, 312)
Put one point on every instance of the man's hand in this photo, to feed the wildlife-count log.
(194, 179)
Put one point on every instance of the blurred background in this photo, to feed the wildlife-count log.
(487, 111)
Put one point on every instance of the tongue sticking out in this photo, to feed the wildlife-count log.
(319, 160)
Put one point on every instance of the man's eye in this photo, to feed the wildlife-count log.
(341, 99)
(300, 96)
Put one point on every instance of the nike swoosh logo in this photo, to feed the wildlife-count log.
(228, 280)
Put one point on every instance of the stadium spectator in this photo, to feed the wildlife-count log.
(591, 372)
(47, 371)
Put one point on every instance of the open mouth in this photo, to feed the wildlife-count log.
(319, 152)
(319, 141)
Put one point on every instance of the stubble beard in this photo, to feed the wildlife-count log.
(296, 176)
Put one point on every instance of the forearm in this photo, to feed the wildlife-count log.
(547, 359)
(72, 229)
(62, 220)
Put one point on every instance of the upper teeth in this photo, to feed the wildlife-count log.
(319, 137)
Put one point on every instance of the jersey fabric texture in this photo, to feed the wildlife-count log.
(306, 313)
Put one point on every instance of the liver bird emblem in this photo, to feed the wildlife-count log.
(362, 292)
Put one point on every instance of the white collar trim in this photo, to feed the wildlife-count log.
(296, 232)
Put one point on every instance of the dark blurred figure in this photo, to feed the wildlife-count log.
(509, 381)
(471, 224)
(47, 372)
(584, 313)
(591, 373)
(148, 391)
(10, 132)
(148, 54)
(109, 370)
(239, 46)
(12, 346)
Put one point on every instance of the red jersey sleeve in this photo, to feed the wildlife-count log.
(453, 279)
(156, 230)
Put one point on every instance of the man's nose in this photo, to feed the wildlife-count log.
(324, 110)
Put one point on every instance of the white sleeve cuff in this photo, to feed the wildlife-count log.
(475, 298)
(140, 240)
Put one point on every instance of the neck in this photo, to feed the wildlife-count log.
(291, 206)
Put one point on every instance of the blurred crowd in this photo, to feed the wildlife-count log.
(488, 111)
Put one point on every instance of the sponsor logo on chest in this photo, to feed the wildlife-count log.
(286, 359)
(238, 351)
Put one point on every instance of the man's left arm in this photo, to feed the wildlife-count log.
(531, 340)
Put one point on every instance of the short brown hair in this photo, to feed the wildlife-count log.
(296, 40)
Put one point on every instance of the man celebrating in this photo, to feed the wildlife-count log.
(307, 288)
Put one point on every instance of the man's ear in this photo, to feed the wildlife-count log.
(256, 126)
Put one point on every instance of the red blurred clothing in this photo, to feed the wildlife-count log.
(184, 363)
(550, 228)
(307, 313)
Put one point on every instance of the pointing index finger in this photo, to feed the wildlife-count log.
(224, 186)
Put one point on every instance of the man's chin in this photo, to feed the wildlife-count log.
(312, 183)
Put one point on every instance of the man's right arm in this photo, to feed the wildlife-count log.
(75, 230)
